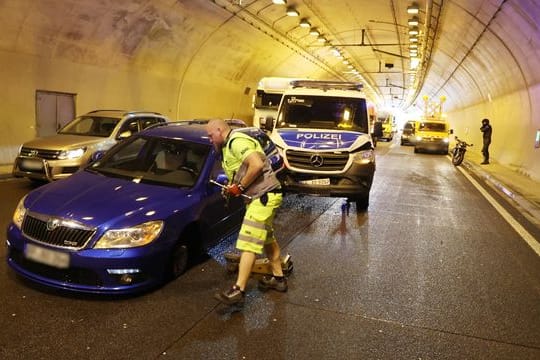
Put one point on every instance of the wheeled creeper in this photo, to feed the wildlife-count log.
(262, 265)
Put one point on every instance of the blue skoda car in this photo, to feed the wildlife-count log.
(130, 220)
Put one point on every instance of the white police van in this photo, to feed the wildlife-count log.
(322, 132)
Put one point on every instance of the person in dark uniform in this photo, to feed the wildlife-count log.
(486, 137)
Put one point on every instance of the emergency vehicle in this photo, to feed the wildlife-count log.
(322, 132)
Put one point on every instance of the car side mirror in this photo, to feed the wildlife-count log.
(451, 131)
(96, 156)
(124, 135)
(222, 179)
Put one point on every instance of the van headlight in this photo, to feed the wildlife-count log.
(20, 212)
(130, 237)
(71, 154)
(364, 157)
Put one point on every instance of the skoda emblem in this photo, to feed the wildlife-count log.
(52, 224)
(33, 153)
(316, 160)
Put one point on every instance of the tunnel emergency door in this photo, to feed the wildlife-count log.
(53, 110)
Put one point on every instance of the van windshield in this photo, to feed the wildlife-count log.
(430, 126)
(323, 112)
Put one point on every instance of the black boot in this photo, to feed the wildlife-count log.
(233, 296)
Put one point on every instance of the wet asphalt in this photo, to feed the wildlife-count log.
(430, 271)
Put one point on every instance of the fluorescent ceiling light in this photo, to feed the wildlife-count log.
(314, 32)
(292, 12)
(413, 30)
(413, 21)
(305, 23)
(413, 39)
(279, 2)
(413, 9)
(321, 39)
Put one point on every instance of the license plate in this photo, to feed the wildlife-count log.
(31, 164)
(46, 256)
(325, 181)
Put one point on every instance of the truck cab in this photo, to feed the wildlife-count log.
(322, 132)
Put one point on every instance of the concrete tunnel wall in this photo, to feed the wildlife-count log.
(194, 59)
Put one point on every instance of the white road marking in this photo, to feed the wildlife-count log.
(525, 235)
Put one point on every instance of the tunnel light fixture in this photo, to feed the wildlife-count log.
(413, 46)
(413, 39)
(413, 21)
(292, 12)
(305, 23)
(413, 30)
(279, 2)
(321, 39)
(314, 32)
(346, 62)
(413, 8)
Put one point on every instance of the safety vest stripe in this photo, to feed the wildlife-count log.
(250, 239)
(254, 224)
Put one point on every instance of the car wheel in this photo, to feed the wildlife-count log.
(415, 150)
(179, 260)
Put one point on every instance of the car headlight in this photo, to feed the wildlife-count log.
(445, 140)
(71, 154)
(364, 157)
(135, 236)
(20, 211)
(418, 138)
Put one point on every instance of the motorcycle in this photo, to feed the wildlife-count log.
(458, 153)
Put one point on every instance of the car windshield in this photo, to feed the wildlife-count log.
(323, 112)
(162, 161)
(90, 126)
(430, 126)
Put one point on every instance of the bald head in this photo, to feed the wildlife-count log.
(217, 130)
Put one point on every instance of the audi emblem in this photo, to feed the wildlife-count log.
(52, 224)
(316, 160)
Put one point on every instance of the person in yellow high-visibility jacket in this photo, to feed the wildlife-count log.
(250, 173)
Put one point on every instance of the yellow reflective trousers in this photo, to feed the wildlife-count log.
(257, 229)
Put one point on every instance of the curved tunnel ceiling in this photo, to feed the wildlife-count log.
(481, 48)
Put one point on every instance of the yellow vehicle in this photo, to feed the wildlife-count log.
(432, 135)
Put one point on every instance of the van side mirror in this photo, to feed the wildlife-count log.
(268, 123)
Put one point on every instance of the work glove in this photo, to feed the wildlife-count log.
(234, 190)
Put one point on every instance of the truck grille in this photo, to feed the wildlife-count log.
(44, 154)
(317, 161)
(63, 234)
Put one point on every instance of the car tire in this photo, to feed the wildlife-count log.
(179, 260)
(415, 150)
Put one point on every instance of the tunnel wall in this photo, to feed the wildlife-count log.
(515, 119)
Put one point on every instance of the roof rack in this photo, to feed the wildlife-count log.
(327, 85)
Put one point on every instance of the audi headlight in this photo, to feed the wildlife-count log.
(20, 211)
(364, 157)
(135, 236)
(71, 154)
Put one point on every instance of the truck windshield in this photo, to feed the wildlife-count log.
(323, 112)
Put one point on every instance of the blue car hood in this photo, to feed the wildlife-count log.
(94, 200)
(319, 139)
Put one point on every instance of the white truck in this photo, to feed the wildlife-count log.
(322, 132)
(267, 98)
